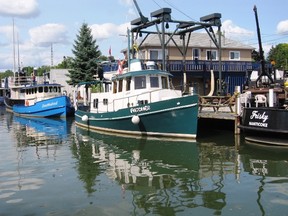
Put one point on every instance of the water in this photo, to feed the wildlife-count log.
(55, 168)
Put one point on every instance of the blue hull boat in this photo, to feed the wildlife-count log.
(52, 107)
(36, 97)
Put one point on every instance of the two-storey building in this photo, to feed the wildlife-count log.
(201, 56)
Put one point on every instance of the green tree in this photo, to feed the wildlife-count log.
(279, 54)
(7, 73)
(86, 52)
(67, 63)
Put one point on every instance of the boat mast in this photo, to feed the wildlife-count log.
(14, 54)
(262, 60)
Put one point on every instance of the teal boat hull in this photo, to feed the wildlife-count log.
(176, 117)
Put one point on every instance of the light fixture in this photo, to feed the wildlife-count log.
(167, 25)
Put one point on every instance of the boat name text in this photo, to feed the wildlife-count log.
(50, 104)
(140, 109)
(258, 124)
(261, 116)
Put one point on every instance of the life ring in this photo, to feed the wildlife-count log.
(26, 103)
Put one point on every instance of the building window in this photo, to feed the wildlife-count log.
(234, 55)
(211, 55)
(154, 54)
(196, 54)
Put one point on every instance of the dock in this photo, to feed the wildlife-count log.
(221, 108)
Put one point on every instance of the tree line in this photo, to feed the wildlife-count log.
(85, 65)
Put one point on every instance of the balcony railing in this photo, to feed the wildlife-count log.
(198, 66)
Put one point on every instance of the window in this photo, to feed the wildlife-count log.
(234, 55)
(128, 83)
(95, 103)
(195, 54)
(140, 82)
(154, 82)
(155, 54)
(105, 101)
(211, 55)
(114, 87)
(164, 82)
(120, 85)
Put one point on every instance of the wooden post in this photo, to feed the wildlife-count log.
(238, 110)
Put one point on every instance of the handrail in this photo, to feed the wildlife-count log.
(129, 98)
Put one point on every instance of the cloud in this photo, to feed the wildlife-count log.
(126, 2)
(108, 30)
(282, 27)
(233, 31)
(19, 8)
(6, 34)
(49, 33)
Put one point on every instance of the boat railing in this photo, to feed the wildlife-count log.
(140, 99)
(26, 80)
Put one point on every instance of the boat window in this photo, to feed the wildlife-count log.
(128, 83)
(120, 85)
(164, 81)
(140, 82)
(55, 89)
(45, 89)
(95, 103)
(114, 87)
(105, 101)
(154, 82)
(40, 89)
(50, 89)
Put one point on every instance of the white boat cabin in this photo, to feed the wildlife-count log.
(141, 85)
(33, 89)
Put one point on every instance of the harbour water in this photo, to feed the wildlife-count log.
(54, 168)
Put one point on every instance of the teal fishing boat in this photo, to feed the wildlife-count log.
(138, 100)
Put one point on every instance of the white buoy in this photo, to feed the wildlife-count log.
(135, 119)
(85, 118)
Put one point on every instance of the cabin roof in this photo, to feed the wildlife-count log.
(141, 73)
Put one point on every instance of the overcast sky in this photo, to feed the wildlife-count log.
(40, 23)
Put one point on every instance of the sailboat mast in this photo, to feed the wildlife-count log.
(19, 66)
(14, 54)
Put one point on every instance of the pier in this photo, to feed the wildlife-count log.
(221, 108)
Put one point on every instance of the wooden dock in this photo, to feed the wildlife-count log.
(220, 108)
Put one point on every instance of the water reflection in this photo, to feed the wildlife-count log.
(33, 139)
(56, 168)
(163, 176)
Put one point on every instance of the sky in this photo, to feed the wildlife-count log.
(45, 30)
